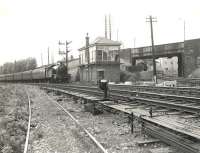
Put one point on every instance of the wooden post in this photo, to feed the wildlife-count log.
(132, 118)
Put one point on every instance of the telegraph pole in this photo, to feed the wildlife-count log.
(48, 55)
(52, 58)
(131, 53)
(117, 33)
(105, 26)
(88, 54)
(65, 52)
(41, 59)
(184, 30)
(15, 67)
(151, 20)
(110, 33)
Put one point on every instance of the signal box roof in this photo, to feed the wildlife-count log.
(102, 41)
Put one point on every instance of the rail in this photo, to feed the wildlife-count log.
(29, 123)
(77, 123)
(125, 94)
(164, 136)
(170, 139)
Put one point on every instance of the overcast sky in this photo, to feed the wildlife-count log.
(28, 27)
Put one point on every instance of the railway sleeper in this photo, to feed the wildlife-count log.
(172, 139)
(93, 109)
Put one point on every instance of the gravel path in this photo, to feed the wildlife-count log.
(52, 131)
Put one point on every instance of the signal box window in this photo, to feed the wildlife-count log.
(99, 55)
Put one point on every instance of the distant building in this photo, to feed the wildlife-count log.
(169, 66)
(103, 60)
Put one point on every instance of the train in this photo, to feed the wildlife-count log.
(50, 73)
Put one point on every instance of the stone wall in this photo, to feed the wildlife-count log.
(191, 56)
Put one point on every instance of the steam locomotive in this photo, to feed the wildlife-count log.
(49, 73)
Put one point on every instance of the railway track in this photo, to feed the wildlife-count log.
(189, 91)
(176, 91)
(173, 102)
(29, 124)
(164, 133)
(170, 138)
(186, 91)
(67, 113)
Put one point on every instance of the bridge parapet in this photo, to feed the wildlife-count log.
(165, 49)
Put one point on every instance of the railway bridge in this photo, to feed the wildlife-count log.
(187, 53)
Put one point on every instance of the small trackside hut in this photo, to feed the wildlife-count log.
(100, 60)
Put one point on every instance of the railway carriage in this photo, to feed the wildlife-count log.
(18, 76)
(27, 75)
(2, 77)
(51, 73)
(39, 74)
(47, 73)
(9, 77)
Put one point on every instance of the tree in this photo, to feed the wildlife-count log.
(18, 66)
(8, 68)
